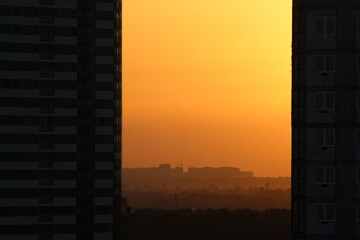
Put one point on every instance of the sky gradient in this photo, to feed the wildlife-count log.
(207, 83)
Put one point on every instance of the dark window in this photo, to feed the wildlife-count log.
(46, 200)
(47, 19)
(46, 163)
(325, 63)
(325, 175)
(46, 92)
(358, 100)
(358, 137)
(324, 137)
(46, 182)
(46, 109)
(46, 55)
(46, 127)
(324, 100)
(358, 22)
(325, 23)
(358, 175)
(325, 212)
(46, 2)
(46, 145)
(46, 37)
(45, 235)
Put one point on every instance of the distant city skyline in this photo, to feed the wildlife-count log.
(175, 179)
(186, 168)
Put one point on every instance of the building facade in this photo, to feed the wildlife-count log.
(326, 119)
(60, 91)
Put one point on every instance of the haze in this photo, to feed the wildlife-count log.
(207, 83)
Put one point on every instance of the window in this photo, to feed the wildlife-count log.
(46, 181)
(358, 23)
(357, 175)
(46, 163)
(46, 200)
(46, 127)
(325, 63)
(46, 37)
(46, 92)
(325, 23)
(325, 137)
(358, 63)
(45, 236)
(46, 109)
(358, 212)
(46, 2)
(324, 100)
(46, 145)
(46, 55)
(325, 175)
(45, 217)
(47, 19)
(357, 137)
(325, 212)
(46, 73)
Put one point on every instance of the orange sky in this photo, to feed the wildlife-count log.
(207, 83)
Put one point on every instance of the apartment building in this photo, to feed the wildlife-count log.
(60, 91)
(326, 119)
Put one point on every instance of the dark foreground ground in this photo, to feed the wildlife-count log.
(210, 224)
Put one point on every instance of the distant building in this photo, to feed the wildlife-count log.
(60, 119)
(246, 174)
(165, 170)
(222, 172)
(165, 166)
(326, 119)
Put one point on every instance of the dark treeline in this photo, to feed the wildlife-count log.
(219, 224)
(235, 198)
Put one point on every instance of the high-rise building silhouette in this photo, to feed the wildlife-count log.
(326, 119)
(60, 119)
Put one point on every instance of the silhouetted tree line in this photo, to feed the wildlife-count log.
(210, 224)
(236, 198)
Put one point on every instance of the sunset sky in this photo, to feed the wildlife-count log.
(207, 83)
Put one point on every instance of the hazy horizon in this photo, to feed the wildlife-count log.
(207, 83)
